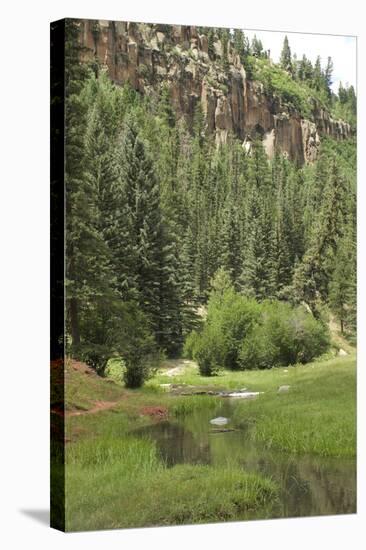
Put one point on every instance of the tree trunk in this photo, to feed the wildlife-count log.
(342, 326)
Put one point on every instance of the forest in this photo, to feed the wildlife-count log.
(175, 245)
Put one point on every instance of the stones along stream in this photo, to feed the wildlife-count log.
(309, 485)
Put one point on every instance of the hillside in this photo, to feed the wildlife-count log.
(241, 95)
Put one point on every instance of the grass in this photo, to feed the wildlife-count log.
(82, 390)
(113, 484)
(114, 479)
(190, 404)
(317, 415)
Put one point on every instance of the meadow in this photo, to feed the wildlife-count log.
(115, 478)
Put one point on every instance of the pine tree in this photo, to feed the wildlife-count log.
(328, 76)
(141, 193)
(225, 38)
(155, 265)
(343, 285)
(210, 43)
(286, 59)
(259, 272)
(257, 47)
(317, 75)
(188, 294)
(165, 109)
(239, 44)
(86, 253)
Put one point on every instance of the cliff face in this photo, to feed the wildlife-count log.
(148, 55)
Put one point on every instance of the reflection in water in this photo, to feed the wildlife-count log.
(176, 444)
(309, 485)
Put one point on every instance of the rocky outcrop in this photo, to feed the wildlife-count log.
(148, 55)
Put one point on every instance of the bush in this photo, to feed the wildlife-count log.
(190, 344)
(284, 336)
(241, 333)
(94, 355)
(115, 369)
(230, 317)
(114, 328)
(257, 351)
(209, 351)
(277, 81)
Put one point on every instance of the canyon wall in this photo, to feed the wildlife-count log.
(148, 55)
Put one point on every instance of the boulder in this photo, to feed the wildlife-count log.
(244, 395)
(219, 421)
(283, 389)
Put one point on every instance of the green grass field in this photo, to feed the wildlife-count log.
(114, 479)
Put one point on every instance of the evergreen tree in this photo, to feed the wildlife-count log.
(328, 75)
(317, 75)
(286, 59)
(239, 44)
(155, 260)
(258, 276)
(257, 47)
(210, 43)
(225, 38)
(86, 254)
(342, 290)
(165, 107)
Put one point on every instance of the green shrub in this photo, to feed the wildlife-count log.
(230, 317)
(283, 336)
(190, 344)
(94, 355)
(257, 351)
(210, 350)
(241, 333)
(278, 82)
(115, 369)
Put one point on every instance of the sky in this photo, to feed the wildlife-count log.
(342, 50)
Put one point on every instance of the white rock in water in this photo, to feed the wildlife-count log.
(283, 389)
(342, 352)
(244, 395)
(219, 421)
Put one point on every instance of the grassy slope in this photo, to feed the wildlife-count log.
(116, 480)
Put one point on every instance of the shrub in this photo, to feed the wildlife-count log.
(190, 344)
(115, 328)
(283, 336)
(94, 355)
(230, 317)
(257, 351)
(209, 351)
(115, 369)
(241, 333)
(278, 82)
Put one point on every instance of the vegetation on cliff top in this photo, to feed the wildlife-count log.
(297, 82)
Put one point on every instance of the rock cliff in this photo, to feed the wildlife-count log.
(147, 55)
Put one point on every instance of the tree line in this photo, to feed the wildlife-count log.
(154, 209)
